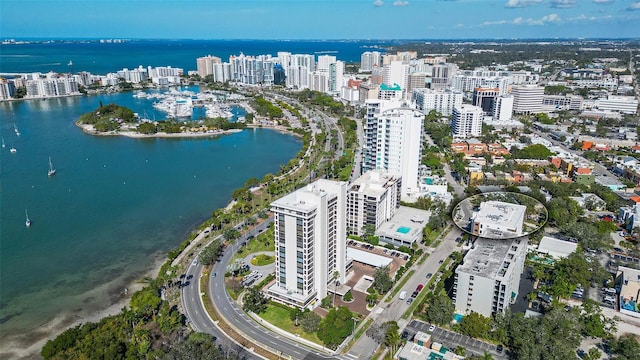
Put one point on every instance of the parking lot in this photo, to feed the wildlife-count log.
(398, 259)
(452, 340)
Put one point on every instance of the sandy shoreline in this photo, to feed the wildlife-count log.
(28, 346)
(89, 129)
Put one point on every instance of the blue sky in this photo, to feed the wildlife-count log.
(320, 19)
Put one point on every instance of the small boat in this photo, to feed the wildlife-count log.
(3, 145)
(52, 171)
(27, 222)
(15, 128)
(13, 150)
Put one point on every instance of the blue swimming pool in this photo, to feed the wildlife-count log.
(403, 229)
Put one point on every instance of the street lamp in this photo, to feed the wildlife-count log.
(355, 321)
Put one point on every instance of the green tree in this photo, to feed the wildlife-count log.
(475, 325)
(147, 128)
(536, 151)
(626, 347)
(382, 280)
(146, 302)
(254, 300)
(310, 321)
(211, 253)
(231, 234)
(336, 326)
(439, 309)
(594, 323)
(392, 336)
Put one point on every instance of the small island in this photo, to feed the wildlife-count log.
(112, 119)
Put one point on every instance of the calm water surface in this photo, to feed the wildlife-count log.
(114, 207)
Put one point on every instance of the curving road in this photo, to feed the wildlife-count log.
(234, 315)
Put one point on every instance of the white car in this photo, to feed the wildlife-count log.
(432, 328)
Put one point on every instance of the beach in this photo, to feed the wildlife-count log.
(89, 129)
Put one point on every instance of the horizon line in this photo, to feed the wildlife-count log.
(5, 39)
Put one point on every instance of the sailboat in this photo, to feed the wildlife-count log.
(52, 171)
(27, 222)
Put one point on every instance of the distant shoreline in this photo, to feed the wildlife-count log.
(89, 129)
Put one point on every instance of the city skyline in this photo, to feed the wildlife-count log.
(310, 19)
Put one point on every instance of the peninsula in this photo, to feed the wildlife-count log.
(115, 120)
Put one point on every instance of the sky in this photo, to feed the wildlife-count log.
(320, 19)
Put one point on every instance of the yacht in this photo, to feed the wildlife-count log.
(52, 171)
(27, 222)
(13, 150)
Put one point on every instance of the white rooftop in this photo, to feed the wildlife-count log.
(556, 248)
(367, 257)
(500, 213)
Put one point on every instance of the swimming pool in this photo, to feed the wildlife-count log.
(403, 229)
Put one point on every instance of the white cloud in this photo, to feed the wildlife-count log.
(583, 17)
(521, 3)
(378, 3)
(400, 3)
(603, 1)
(563, 4)
(547, 19)
(634, 6)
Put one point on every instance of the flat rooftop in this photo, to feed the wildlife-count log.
(500, 213)
(630, 283)
(405, 225)
(486, 259)
(556, 247)
(368, 258)
(305, 199)
(373, 183)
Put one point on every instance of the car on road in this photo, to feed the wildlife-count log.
(403, 295)
(195, 262)
(499, 348)
(420, 286)
(410, 300)
(432, 328)
(429, 275)
(440, 262)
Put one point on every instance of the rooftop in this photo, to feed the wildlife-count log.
(405, 225)
(500, 213)
(373, 183)
(488, 257)
(556, 247)
(367, 257)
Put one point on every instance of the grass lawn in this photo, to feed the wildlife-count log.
(279, 317)
(263, 242)
(262, 260)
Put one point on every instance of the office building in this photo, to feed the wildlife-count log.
(498, 220)
(442, 101)
(487, 281)
(393, 140)
(441, 75)
(466, 121)
(310, 243)
(527, 99)
(485, 98)
(623, 104)
(372, 199)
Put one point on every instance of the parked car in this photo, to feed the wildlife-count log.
(429, 275)
(410, 300)
(432, 328)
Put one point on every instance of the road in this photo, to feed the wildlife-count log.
(233, 315)
(457, 188)
(366, 346)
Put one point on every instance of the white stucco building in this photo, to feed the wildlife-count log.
(487, 281)
(466, 121)
(498, 220)
(372, 199)
(309, 242)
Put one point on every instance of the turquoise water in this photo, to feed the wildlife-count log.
(115, 206)
(403, 230)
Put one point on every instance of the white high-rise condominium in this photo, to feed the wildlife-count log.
(442, 101)
(503, 108)
(368, 59)
(324, 61)
(488, 279)
(527, 99)
(396, 73)
(336, 77)
(371, 200)
(393, 141)
(205, 64)
(310, 242)
(466, 121)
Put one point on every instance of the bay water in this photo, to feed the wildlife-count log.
(114, 208)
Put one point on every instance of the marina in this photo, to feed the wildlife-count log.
(191, 104)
